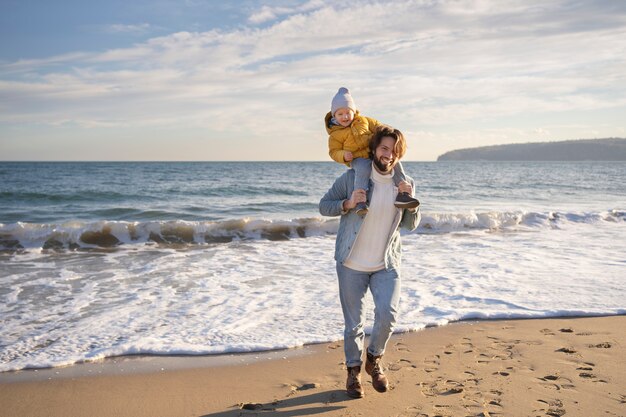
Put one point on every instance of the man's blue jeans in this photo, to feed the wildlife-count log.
(385, 288)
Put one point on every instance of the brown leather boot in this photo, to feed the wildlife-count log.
(374, 368)
(354, 388)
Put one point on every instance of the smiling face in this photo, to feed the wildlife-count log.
(385, 157)
(344, 116)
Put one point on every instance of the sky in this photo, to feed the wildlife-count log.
(252, 80)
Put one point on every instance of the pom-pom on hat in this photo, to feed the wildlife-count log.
(342, 99)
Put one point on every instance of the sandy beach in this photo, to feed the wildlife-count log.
(539, 367)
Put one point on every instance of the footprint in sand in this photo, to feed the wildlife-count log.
(429, 389)
(585, 371)
(585, 366)
(473, 398)
(431, 363)
(401, 347)
(479, 404)
(483, 358)
(441, 387)
(497, 352)
(552, 408)
(591, 377)
(400, 364)
(305, 387)
(556, 381)
(467, 345)
(502, 349)
(452, 387)
(496, 402)
(603, 345)
(493, 398)
(442, 410)
(413, 411)
(302, 387)
(503, 356)
(256, 407)
(547, 332)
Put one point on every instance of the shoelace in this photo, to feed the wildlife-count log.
(354, 377)
(376, 370)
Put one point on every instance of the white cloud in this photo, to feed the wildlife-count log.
(265, 14)
(424, 66)
(123, 28)
(269, 13)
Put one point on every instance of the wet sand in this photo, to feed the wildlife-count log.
(539, 367)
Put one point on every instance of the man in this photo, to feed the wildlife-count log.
(368, 252)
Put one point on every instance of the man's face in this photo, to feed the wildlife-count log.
(385, 157)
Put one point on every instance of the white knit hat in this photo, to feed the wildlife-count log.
(342, 99)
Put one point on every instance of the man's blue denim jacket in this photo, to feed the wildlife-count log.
(350, 223)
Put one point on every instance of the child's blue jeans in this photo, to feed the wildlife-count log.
(363, 170)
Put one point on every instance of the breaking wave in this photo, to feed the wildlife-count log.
(109, 234)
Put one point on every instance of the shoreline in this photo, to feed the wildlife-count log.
(543, 366)
(155, 363)
(149, 364)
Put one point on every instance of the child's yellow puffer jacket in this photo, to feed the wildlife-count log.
(354, 138)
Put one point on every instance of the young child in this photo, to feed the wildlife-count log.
(348, 143)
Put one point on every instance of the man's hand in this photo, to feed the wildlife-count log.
(405, 187)
(358, 196)
(347, 156)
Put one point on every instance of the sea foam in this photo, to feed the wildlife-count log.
(258, 294)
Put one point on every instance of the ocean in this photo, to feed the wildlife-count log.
(101, 259)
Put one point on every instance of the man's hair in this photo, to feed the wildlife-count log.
(383, 131)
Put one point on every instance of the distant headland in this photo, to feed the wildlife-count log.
(611, 149)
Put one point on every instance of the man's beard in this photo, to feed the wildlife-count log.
(382, 167)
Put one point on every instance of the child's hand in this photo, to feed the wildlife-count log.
(347, 156)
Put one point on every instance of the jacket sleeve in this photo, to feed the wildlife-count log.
(410, 220)
(335, 149)
(332, 202)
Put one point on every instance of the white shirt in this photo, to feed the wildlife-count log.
(368, 251)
